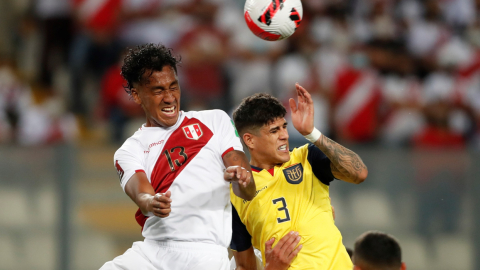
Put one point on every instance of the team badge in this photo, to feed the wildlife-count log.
(193, 132)
(294, 174)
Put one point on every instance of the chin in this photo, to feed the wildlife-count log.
(285, 159)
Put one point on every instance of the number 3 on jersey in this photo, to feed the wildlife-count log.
(180, 150)
(283, 208)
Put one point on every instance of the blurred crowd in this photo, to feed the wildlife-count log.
(399, 73)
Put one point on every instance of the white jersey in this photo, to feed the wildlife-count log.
(187, 160)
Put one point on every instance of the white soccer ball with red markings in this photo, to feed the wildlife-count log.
(273, 19)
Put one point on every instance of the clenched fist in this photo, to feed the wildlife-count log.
(237, 174)
(160, 204)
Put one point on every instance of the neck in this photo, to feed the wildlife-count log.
(261, 164)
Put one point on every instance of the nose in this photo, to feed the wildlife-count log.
(168, 97)
(284, 134)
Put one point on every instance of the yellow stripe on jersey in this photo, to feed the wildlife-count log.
(294, 199)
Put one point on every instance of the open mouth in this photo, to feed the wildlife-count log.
(169, 110)
(282, 147)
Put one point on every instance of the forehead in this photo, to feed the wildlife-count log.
(164, 76)
(277, 122)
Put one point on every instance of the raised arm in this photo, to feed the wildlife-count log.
(346, 165)
(239, 173)
(142, 193)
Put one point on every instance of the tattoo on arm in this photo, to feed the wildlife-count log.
(343, 160)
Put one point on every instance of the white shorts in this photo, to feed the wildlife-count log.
(156, 255)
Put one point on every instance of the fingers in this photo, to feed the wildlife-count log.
(268, 245)
(162, 204)
(243, 176)
(294, 252)
(237, 173)
(285, 243)
(163, 197)
(303, 94)
(293, 105)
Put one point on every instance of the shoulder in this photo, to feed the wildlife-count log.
(132, 145)
(299, 153)
(216, 113)
(212, 118)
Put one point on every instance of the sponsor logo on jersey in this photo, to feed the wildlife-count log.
(256, 193)
(152, 145)
(120, 171)
(193, 132)
(294, 174)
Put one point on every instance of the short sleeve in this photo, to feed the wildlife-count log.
(320, 164)
(241, 239)
(128, 161)
(229, 138)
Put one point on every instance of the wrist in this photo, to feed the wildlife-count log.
(313, 136)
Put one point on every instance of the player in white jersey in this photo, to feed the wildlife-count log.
(178, 168)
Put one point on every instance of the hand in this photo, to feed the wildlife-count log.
(302, 115)
(237, 174)
(160, 204)
(280, 257)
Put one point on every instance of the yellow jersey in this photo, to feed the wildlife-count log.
(293, 196)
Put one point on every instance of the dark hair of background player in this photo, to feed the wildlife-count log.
(149, 57)
(256, 111)
(377, 250)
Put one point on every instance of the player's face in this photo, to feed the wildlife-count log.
(159, 96)
(271, 146)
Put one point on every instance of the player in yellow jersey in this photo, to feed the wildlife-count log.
(292, 187)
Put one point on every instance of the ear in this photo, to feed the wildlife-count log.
(135, 96)
(249, 140)
(403, 267)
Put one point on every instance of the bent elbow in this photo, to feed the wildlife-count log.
(362, 176)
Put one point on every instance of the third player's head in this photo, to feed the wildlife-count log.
(260, 121)
(377, 251)
(151, 74)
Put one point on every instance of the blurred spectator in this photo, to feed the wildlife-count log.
(150, 21)
(116, 104)
(204, 51)
(31, 119)
(372, 66)
(95, 46)
(56, 26)
(356, 100)
(401, 91)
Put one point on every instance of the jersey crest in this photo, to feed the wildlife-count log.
(294, 174)
(193, 132)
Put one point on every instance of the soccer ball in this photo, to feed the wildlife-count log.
(273, 19)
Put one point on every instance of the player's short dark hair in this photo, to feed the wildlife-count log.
(256, 111)
(377, 250)
(148, 57)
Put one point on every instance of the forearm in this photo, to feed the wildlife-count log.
(239, 159)
(144, 202)
(246, 193)
(344, 162)
(141, 192)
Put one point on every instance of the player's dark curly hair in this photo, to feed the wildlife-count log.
(256, 111)
(148, 57)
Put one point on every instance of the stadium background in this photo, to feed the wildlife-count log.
(398, 81)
